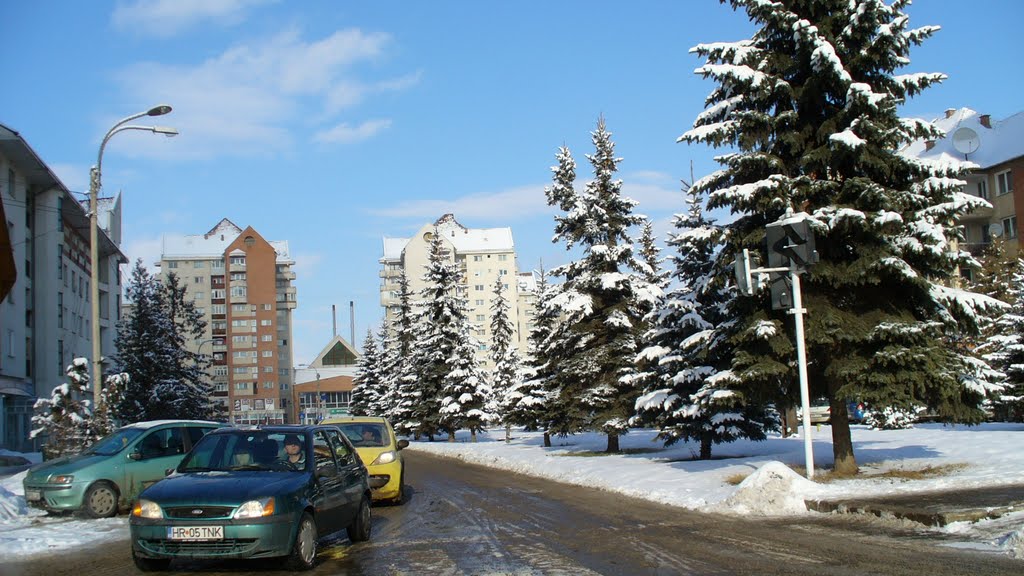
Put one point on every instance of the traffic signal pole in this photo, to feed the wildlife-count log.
(798, 312)
(790, 249)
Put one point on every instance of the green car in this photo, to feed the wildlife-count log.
(111, 473)
(266, 492)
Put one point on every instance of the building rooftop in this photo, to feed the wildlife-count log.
(213, 244)
(998, 142)
(465, 240)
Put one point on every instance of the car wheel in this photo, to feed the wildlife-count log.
(100, 500)
(303, 554)
(150, 564)
(359, 529)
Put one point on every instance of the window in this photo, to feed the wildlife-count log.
(240, 339)
(478, 287)
(479, 317)
(267, 338)
(238, 291)
(502, 272)
(1004, 183)
(198, 264)
(220, 370)
(10, 343)
(1010, 227)
(241, 385)
(60, 357)
(237, 276)
(323, 454)
(60, 310)
(219, 309)
(172, 265)
(266, 322)
(239, 308)
(478, 258)
(983, 189)
(62, 269)
(200, 296)
(267, 354)
(240, 370)
(239, 260)
(199, 279)
(10, 183)
(267, 307)
(74, 282)
(217, 294)
(268, 369)
(268, 385)
(479, 302)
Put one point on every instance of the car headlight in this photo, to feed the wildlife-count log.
(255, 508)
(385, 458)
(147, 509)
(61, 479)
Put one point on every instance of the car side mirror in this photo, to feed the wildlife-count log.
(403, 443)
(135, 455)
(169, 471)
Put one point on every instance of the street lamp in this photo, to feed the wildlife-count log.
(95, 175)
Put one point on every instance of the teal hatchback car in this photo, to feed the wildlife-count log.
(266, 492)
(111, 473)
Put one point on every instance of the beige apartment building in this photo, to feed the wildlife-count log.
(242, 284)
(997, 148)
(483, 255)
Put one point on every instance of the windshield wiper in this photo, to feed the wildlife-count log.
(196, 469)
(249, 467)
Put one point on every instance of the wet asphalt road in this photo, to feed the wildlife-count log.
(461, 519)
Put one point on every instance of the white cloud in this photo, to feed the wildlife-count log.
(522, 201)
(306, 264)
(149, 249)
(165, 18)
(252, 99)
(345, 133)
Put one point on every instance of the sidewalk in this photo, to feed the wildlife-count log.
(933, 508)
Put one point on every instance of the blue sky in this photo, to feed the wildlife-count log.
(332, 124)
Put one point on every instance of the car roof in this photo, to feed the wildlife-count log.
(154, 423)
(356, 419)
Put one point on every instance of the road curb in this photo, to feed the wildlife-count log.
(926, 516)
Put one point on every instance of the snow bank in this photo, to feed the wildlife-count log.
(1012, 544)
(12, 506)
(773, 490)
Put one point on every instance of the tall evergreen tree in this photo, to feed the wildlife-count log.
(692, 395)
(600, 297)
(65, 418)
(507, 373)
(369, 385)
(399, 368)
(165, 380)
(454, 392)
(529, 403)
(1004, 347)
(810, 105)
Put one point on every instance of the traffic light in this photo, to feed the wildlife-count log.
(790, 240)
(781, 291)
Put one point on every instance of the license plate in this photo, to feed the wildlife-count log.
(33, 495)
(195, 533)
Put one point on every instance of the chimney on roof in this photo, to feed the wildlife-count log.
(928, 145)
(950, 112)
(986, 120)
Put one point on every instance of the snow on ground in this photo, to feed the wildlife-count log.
(987, 455)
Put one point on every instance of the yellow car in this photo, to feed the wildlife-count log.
(374, 440)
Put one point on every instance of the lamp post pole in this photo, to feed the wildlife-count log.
(95, 177)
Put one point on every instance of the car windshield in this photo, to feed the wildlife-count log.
(365, 434)
(115, 442)
(247, 450)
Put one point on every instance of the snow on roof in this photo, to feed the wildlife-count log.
(1002, 142)
(465, 240)
(213, 244)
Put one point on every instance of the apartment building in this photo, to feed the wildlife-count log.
(46, 319)
(482, 254)
(997, 148)
(242, 285)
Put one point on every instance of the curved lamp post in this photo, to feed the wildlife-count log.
(95, 175)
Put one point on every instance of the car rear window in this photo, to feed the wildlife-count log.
(366, 434)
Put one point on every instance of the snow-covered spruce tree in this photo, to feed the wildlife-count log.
(187, 391)
(454, 390)
(692, 396)
(65, 419)
(597, 343)
(506, 377)
(144, 350)
(368, 389)
(529, 401)
(1004, 348)
(398, 365)
(809, 104)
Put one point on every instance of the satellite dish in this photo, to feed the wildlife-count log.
(966, 140)
(995, 230)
